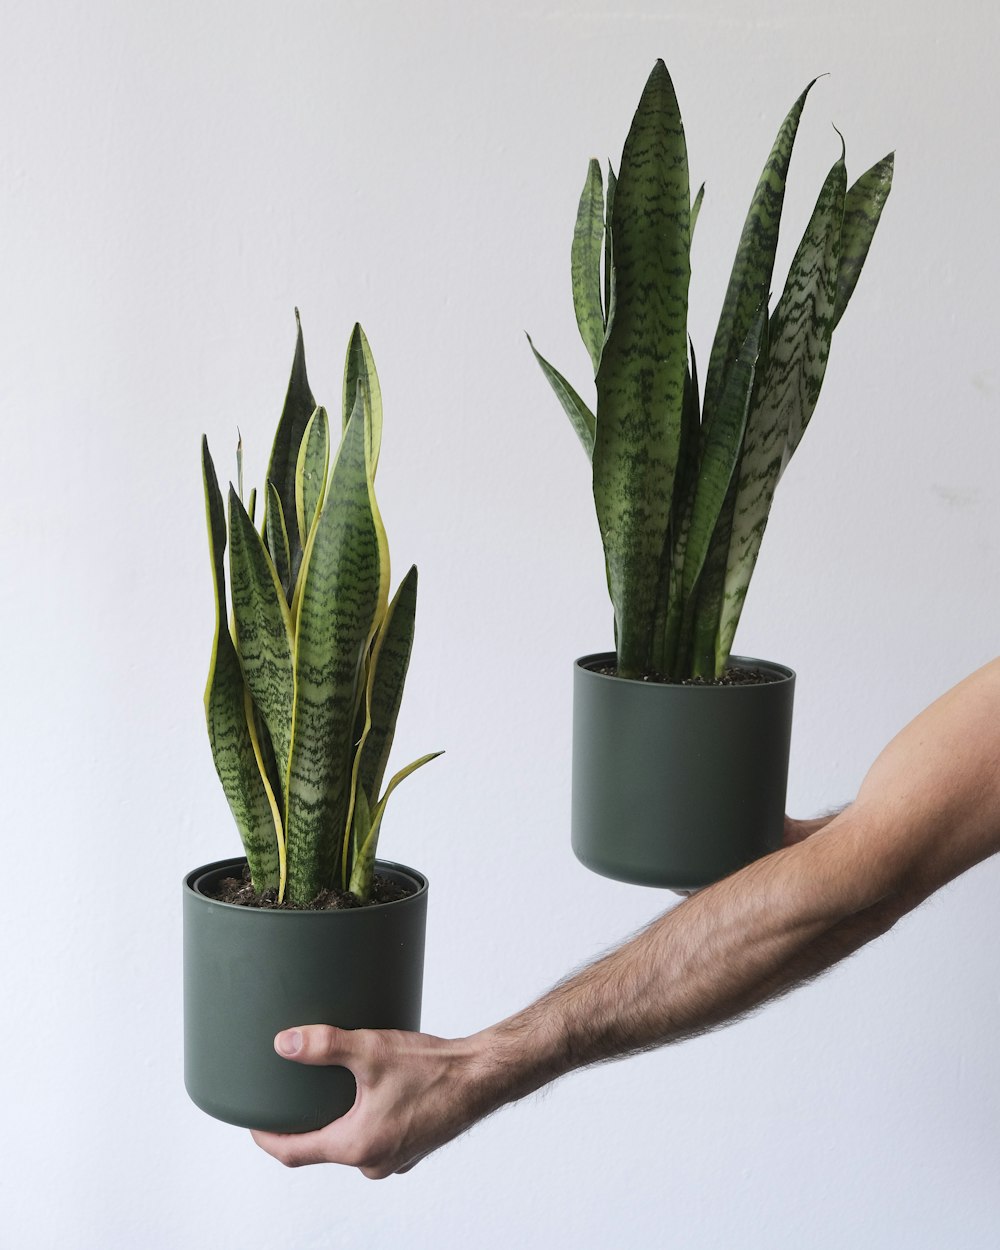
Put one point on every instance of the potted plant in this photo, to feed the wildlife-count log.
(301, 702)
(680, 750)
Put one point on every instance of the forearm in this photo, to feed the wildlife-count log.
(721, 954)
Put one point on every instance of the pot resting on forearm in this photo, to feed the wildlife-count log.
(928, 810)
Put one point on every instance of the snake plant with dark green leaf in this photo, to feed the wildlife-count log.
(305, 682)
(683, 483)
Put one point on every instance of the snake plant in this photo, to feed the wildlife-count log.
(683, 479)
(305, 683)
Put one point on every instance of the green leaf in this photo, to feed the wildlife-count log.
(363, 871)
(580, 416)
(225, 713)
(862, 210)
(277, 540)
(263, 629)
(362, 864)
(640, 384)
(750, 280)
(799, 345)
(720, 453)
(338, 602)
(696, 207)
(359, 369)
(310, 473)
(609, 265)
(391, 660)
(299, 408)
(588, 240)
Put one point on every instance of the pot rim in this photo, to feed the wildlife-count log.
(192, 878)
(781, 671)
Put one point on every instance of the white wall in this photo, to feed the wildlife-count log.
(174, 179)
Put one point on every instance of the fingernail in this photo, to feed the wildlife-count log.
(289, 1043)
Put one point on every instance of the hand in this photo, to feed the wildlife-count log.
(415, 1092)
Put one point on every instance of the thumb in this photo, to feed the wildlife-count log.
(316, 1044)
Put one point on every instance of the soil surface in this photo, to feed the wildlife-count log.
(731, 677)
(240, 891)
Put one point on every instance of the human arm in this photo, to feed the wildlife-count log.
(928, 809)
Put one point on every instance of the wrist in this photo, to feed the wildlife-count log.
(514, 1058)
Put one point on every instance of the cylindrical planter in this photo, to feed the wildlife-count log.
(251, 972)
(673, 785)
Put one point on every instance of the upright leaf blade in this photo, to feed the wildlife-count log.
(359, 370)
(277, 540)
(310, 472)
(696, 207)
(862, 210)
(364, 865)
(640, 384)
(720, 454)
(588, 240)
(225, 713)
(299, 407)
(338, 600)
(609, 262)
(799, 346)
(391, 661)
(750, 280)
(580, 416)
(263, 630)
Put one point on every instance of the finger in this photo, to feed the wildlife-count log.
(317, 1044)
(337, 1142)
(294, 1150)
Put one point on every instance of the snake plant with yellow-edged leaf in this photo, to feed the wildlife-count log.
(683, 482)
(306, 675)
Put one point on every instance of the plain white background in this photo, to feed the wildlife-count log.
(174, 179)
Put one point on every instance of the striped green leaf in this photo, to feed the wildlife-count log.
(580, 416)
(585, 256)
(359, 370)
(363, 870)
(609, 264)
(669, 603)
(277, 540)
(310, 472)
(390, 660)
(298, 409)
(799, 346)
(750, 280)
(338, 602)
(640, 384)
(263, 629)
(225, 713)
(862, 209)
(720, 454)
(696, 207)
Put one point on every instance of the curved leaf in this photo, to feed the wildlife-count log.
(580, 416)
(390, 661)
(799, 345)
(363, 870)
(225, 712)
(585, 258)
(750, 280)
(862, 209)
(640, 384)
(263, 629)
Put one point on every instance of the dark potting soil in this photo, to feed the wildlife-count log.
(240, 892)
(731, 677)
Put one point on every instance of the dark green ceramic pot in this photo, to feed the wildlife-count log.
(678, 786)
(249, 973)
